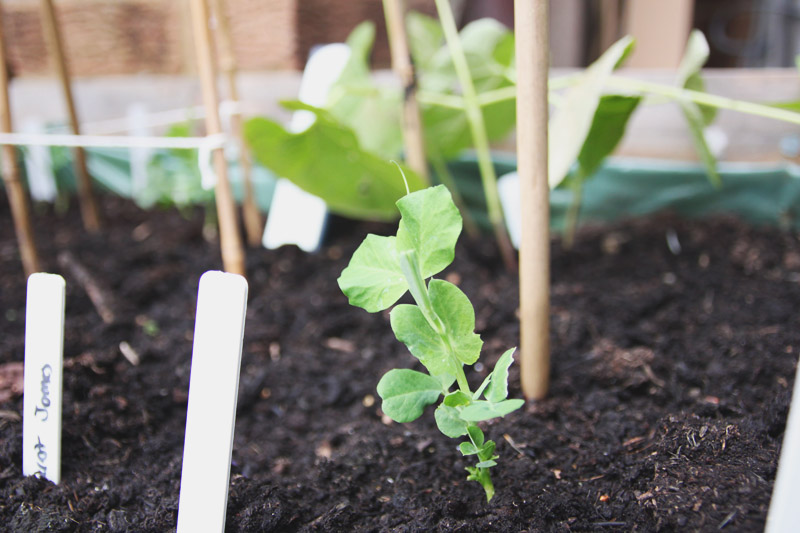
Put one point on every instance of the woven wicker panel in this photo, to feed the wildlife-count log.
(330, 21)
(100, 37)
(111, 37)
(25, 44)
(263, 33)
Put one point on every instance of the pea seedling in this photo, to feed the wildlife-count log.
(439, 330)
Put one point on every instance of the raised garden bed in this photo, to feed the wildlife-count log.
(672, 372)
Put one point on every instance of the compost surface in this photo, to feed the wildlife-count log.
(672, 374)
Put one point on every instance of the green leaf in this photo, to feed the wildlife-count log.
(570, 126)
(425, 38)
(689, 71)
(449, 423)
(484, 410)
(694, 119)
(356, 101)
(411, 328)
(373, 279)
(467, 448)
(476, 435)
(497, 390)
(454, 399)
(486, 464)
(698, 117)
(488, 47)
(430, 225)
(608, 126)
(456, 314)
(487, 450)
(327, 160)
(406, 393)
(455, 310)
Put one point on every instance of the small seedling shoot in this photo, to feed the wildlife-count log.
(438, 330)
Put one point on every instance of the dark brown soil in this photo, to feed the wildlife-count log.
(672, 375)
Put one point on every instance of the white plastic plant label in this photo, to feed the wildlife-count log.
(39, 165)
(211, 413)
(784, 511)
(295, 216)
(43, 377)
(508, 190)
(140, 157)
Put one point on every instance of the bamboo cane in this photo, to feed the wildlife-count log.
(253, 223)
(413, 139)
(532, 51)
(89, 210)
(230, 241)
(11, 174)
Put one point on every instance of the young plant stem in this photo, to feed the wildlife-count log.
(481, 474)
(702, 98)
(477, 128)
(668, 92)
(419, 291)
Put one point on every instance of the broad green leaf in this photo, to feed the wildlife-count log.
(449, 423)
(476, 435)
(698, 117)
(373, 279)
(480, 40)
(486, 464)
(497, 390)
(484, 410)
(467, 448)
(430, 225)
(608, 126)
(406, 393)
(488, 47)
(425, 38)
(570, 126)
(454, 399)
(456, 314)
(455, 310)
(326, 160)
(412, 329)
(356, 101)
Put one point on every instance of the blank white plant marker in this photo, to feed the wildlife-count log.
(295, 216)
(508, 189)
(784, 510)
(43, 376)
(211, 413)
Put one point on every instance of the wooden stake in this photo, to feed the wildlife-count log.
(11, 175)
(253, 223)
(413, 139)
(230, 241)
(89, 210)
(532, 51)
